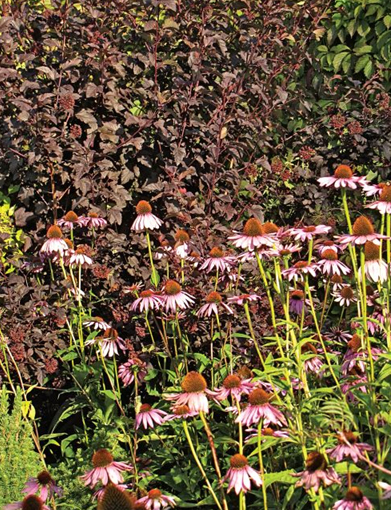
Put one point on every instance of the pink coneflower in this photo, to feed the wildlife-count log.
(148, 417)
(260, 409)
(330, 264)
(298, 270)
(376, 270)
(106, 469)
(308, 233)
(233, 386)
(271, 228)
(345, 297)
(148, 300)
(55, 245)
(354, 500)
(363, 231)
(376, 322)
(94, 221)
(316, 472)
(343, 178)
(145, 219)
(127, 371)
(383, 205)
(29, 503)
(267, 432)
(252, 237)
(387, 488)
(312, 364)
(337, 282)
(337, 334)
(163, 251)
(112, 491)
(355, 380)
(155, 500)
(194, 394)
(44, 484)
(243, 298)
(182, 247)
(80, 257)
(284, 250)
(213, 301)
(109, 343)
(180, 413)
(371, 190)
(356, 356)
(96, 323)
(327, 245)
(70, 221)
(352, 450)
(175, 297)
(240, 474)
(297, 301)
(217, 261)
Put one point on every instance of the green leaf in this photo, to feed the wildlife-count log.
(387, 21)
(281, 477)
(363, 50)
(368, 69)
(338, 59)
(361, 63)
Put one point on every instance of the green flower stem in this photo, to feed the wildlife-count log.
(261, 467)
(252, 333)
(182, 270)
(388, 219)
(154, 275)
(346, 209)
(198, 462)
(111, 383)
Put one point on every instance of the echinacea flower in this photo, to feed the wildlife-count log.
(96, 323)
(217, 261)
(356, 355)
(240, 475)
(80, 256)
(298, 270)
(109, 343)
(55, 244)
(233, 386)
(127, 371)
(180, 413)
(387, 488)
(371, 190)
(260, 409)
(312, 364)
(343, 178)
(355, 381)
(145, 219)
(194, 394)
(363, 231)
(266, 432)
(376, 269)
(29, 503)
(327, 245)
(337, 282)
(106, 469)
(383, 205)
(284, 250)
(330, 265)
(252, 237)
(174, 297)
(148, 417)
(243, 298)
(345, 296)
(94, 221)
(297, 301)
(155, 500)
(114, 496)
(316, 472)
(354, 500)
(70, 221)
(148, 300)
(182, 246)
(343, 450)
(308, 233)
(213, 301)
(42, 484)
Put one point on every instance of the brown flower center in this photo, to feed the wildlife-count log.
(315, 460)
(329, 254)
(102, 458)
(113, 497)
(145, 408)
(336, 278)
(32, 503)
(244, 372)
(301, 264)
(253, 228)
(182, 236)
(350, 436)
(216, 253)
(309, 229)
(172, 288)
(54, 232)
(268, 431)
(259, 397)
(347, 293)
(284, 252)
(83, 249)
(371, 251)
(69, 244)
(343, 172)
(328, 243)
(385, 195)
(92, 215)
(193, 382)
(308, 347)
(270, 228)
(354, 494)
(238, 461)
(297, 295)
(214, 297)
(146, 293)
(110, 333)
(354, 343)
(181, 410)
(44, 478)
(143, 207)
(155, 494)
(71, 216)
(231, 381)
(363, 227)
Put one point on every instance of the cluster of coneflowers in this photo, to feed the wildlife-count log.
(304, 273)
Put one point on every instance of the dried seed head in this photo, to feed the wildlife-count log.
(371, 251)
(143, 207)
(363, 227)
(172, 288)
(193, 382)
(54, 232)
(315, 460)
(182, 236)
(259, 397)
(102, 458)
(329, 255)
(343, 172)
(231, 381)
(253, 228)
(216, 253)
(238, 461)
(214, 297)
